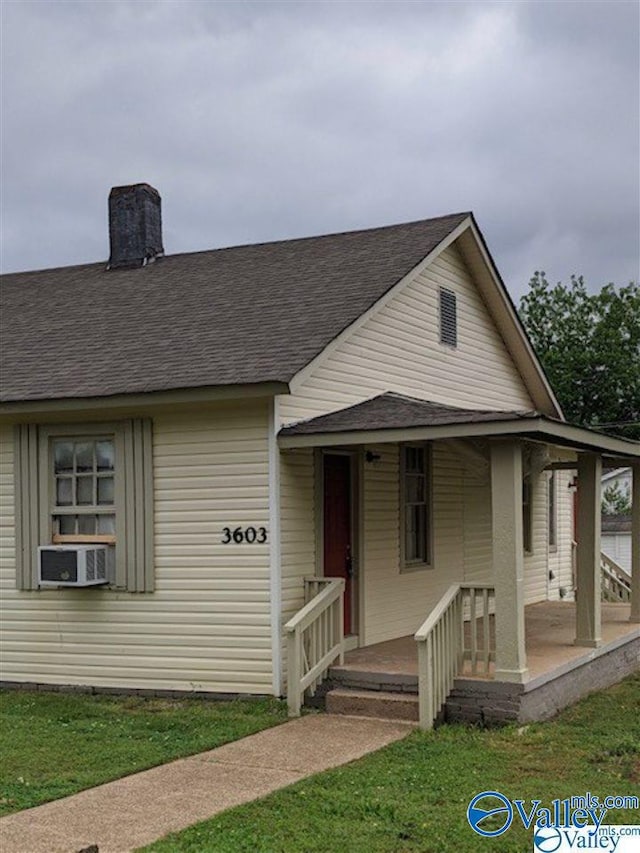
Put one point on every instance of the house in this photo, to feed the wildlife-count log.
(616, 527)
(618, 480)
(292, 454)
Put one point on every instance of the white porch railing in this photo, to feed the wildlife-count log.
(615, 582)
(315, 638)
(444, 645)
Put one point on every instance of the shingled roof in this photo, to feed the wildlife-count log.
(249, 314)
(397, 411)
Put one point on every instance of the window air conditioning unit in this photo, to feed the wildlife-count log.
(72, 565)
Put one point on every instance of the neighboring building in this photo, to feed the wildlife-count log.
(618, 481)
(227, 423)
(616, 527)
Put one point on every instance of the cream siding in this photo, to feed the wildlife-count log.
(477, 533)
(560, 557)
(396, 603)
(536, 563)
(397, 348)
(207, 625)
(617, 546)
(297, 531)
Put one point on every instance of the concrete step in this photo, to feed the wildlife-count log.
(372, 703)
(389, 682)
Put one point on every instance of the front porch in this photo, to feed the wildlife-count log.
(445, 520)
(559, 671)
(549, 642)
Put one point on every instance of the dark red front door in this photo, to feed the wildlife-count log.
(337, 527)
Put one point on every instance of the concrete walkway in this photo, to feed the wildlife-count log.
(131, 812)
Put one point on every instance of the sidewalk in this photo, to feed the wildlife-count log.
(131, 812)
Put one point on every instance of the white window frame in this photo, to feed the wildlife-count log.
(92, 433)
(407, 565)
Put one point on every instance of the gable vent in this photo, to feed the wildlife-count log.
(448, 318)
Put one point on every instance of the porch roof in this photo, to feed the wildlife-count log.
(392, 417)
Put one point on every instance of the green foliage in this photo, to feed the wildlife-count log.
(55, 744)
(412, 797)
(589, 346)
(616, 500)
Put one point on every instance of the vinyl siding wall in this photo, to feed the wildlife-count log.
(298, 532)
(617, 546)
(207, 625)
(536, 562)
(396, 603)
(560, 558)
(397, 349)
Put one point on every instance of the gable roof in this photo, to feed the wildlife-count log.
(616, 523)
(616, 472)
(250, 314)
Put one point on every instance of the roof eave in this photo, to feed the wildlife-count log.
(535, 428)
(172, 397)
(517, 341)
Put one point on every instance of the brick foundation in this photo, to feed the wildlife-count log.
(489, 703)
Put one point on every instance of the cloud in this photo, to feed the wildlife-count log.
(262, 121)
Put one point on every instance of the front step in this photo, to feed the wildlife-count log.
(372, 703)
(368, 680)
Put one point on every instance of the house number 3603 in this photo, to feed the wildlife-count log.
(244, 535)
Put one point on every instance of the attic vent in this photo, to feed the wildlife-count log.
(448, 318)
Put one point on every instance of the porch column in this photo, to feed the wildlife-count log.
(508, 560)
(635, 544)
(588, 631)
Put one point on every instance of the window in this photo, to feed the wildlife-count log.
(526, 515)
(83, 490)
(553, 528)
(448, 318)
(84, 483)
(415, 502)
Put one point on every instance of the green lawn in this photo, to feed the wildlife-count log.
(413, 795)
(54, 744)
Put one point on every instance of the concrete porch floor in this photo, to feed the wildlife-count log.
(549, 632)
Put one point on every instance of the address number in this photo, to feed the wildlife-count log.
(244, 535)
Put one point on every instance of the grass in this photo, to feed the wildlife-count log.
(413, 795)
(55, 744)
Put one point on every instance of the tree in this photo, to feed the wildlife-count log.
(589, 346)
(616, 500)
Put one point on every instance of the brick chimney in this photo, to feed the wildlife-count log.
(135, 226)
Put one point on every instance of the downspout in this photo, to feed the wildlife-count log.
(275, 585)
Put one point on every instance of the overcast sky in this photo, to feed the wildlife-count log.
(268, 120)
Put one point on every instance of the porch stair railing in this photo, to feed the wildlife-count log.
(615, 582)
(457, 631)
(315, 638)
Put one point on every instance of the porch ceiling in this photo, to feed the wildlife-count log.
(391, 418)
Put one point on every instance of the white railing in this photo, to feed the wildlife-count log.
(315, 638)
(457, 630)
(615, 582)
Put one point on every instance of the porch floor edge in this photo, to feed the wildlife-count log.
(587, 657)
(498, 702)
